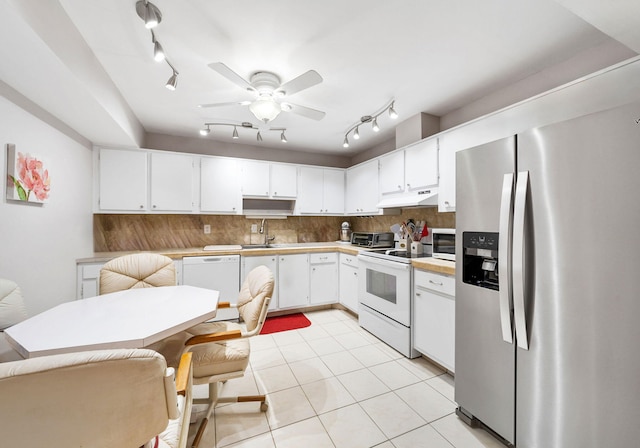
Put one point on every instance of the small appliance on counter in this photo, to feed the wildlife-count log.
(444, 244)
(372, 239)
(345, 232)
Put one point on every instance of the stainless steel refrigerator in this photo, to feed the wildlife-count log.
(548, 283)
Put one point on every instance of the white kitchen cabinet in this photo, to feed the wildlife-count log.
(421, 165)
(349, 282)
(268, 179)
(218, 272)
(220, 190)
(270, 261)
(320, 191)
(447, 169)
(123, 180)
(392, 167)
(362, 188)
(172, 176)
(293, 281)
(323, 278)
(434, 317)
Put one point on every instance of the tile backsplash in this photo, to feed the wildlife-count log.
(155, 232)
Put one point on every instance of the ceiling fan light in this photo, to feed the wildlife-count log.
(265, 108)
(283, 139)
(235, 135)
(392, 112)
(158, 51)
(374, 125)
(172, 83)
(356, 134)
(345, 144)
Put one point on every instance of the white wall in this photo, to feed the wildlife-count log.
(39, 244)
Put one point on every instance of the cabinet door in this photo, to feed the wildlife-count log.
(362, 188)
(349, 282)
(123, 180)
(447, 183)
(284, 180)
(255, 178)
(323, 282)
(220, 185)
(421, 165)
(270, 261)
(172, 182)
(333, 191)
(310, 197)
(392, 173)
(434, 326)
(293, 280)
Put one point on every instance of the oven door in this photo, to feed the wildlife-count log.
(385, 286)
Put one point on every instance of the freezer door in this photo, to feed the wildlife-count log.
(485, 363)
(578, 384)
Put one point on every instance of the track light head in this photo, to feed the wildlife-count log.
(259, 136)
(356, 134)
(235, 135)
(345, 144)
(149, 13)
(158, 51)
(374, 125)
(172, 83)
(283, 139)
(392, 112)
(205, 131)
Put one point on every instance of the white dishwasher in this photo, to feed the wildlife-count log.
(221, 273)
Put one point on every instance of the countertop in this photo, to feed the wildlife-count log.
(428, 264)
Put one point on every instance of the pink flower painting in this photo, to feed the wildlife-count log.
(28, 180)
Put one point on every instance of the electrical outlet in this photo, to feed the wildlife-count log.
(207, 229)
(254, 228)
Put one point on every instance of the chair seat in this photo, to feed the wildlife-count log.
(213, 358)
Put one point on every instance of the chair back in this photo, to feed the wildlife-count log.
(254, 298)
(102, 398)
(141, 270)
(12, 309)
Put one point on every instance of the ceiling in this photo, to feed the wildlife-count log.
(89, 63)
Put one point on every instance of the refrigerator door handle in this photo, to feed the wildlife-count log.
(504, 258)
(522, 186)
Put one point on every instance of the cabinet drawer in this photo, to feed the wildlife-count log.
(443, 284)
(91, 270)
(349, 260)
(328, 257)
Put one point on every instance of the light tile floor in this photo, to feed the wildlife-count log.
(334, 385)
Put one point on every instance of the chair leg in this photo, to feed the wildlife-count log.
(247, 398)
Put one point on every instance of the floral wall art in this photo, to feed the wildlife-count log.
(27, 177)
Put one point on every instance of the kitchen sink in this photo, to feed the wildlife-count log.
(257, 246)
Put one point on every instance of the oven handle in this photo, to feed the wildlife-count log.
(386, 263)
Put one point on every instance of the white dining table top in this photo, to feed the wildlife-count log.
(134, 318)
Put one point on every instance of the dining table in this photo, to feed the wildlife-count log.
(133, 318)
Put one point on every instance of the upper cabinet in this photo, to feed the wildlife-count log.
(392, 173)
(220, 185)
(123, 180)
(172, 188)
(268, 179)
(320, 191)
(409, 170)
(362, 188)
(447, 188)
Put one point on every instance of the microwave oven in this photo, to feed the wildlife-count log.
(444, 244)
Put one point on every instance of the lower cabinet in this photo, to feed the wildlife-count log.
(349, 282)
(323, 281)
(270, 261)
(434, 317)
(293, 281)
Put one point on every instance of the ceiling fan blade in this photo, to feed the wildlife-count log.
(304, 81)
(234, 103)
(231, 75)
(314, 114)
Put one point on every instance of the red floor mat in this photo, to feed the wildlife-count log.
(284, 323)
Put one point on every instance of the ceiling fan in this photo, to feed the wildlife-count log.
(270, 93)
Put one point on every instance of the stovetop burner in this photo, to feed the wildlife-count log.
(401, 256)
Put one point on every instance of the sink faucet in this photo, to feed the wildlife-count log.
(264, 229)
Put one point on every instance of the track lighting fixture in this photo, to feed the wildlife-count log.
(149, 13)
(373, 119)
(244, 125)
(152, 17)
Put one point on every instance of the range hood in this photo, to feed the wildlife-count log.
(268, 207)
(423, 198)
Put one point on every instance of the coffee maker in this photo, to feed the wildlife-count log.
(345, 232)
(480, 259)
